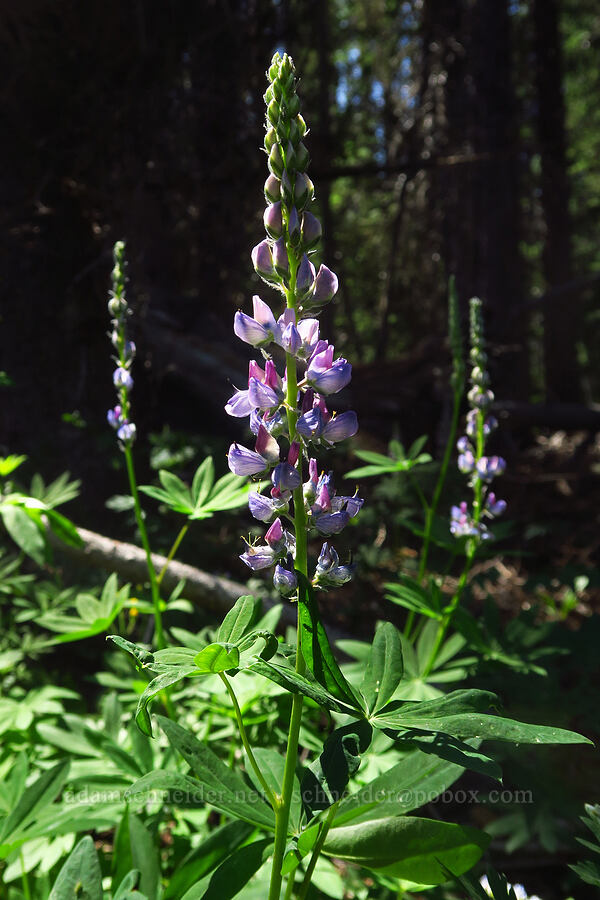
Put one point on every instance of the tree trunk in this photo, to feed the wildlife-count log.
(561, 314)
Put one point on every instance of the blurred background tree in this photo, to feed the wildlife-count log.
(448, 136)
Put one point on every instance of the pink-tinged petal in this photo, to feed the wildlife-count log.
(325, 287)
(293, 453)
(274, 535)
(255, 371)
(266, 445)
(272, 379)
(262, 313)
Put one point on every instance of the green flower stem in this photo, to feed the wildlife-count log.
(289, 889)
(240, 722)
(154, 586)
(172, 552)
(282, 813)
(431, 510)
(317, 850)
(24, 878)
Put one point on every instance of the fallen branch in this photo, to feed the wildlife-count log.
(212, 592)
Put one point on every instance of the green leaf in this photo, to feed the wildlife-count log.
(156, 686)
(233, 874)
(413, 782)
(24, 531)
(452, 749)
(142, 658)
(316, 648)
(203, 481)
(8, 464)
(237, 620)
(408, 847)
(326, 779)
(217, 658)
(127, 888)
(298, 684)
(145, 857)
(410, 594)
(228, 789)
(80, 877)
(176, 489)
(38, 795)
(384, 668)
(204, 858)
(64, 529)
(272, 764)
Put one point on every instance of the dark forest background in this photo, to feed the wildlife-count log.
(447, 136)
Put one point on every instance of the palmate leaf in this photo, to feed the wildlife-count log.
(25, 530)
(31, 802)
(287, 678)
(205, 497)
(420, 850)
(326, 779)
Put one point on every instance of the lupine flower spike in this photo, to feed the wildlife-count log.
(468, 521)
(277, 407)
(118, 417)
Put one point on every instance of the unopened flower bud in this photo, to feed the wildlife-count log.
(294, 134)
(303, 190)
(302, 158)
(273, 112)
(263, 261)
(293, 106)
(273, 221)
(326, 285)
(311, 231)
(287, 190)
(275, 162)
(294, 226)
(270, 139)
(280, 257)
(115, 306)
(305, 277)
(272, 189)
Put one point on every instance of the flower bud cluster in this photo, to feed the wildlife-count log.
(472, 458)
(296, 412)
(118, 417)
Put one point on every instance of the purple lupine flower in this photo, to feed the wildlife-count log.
(494, 507)
(293, 453)
(461, 524)
(291, 340)
(340, 427)
(466, 462)
(325, 287)
(115, 417)
(489, 467)
(352, 505)
(122, 378)
(310, 425)
(129, 350)
(266, 445)
(258, 556)
(274, 536)
(265, 509)
(261, 396)
(329, 380)
(490, 424)
(303, 189)
(463, 445)
(330, 522)
(273, 220)
(239, 405)
(127, 432)
(285, 477)
(310, 486)
(250, 331)
(308, 329)
(245, 462)
(328, 572)
(285, 580)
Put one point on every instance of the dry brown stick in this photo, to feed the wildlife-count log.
(212, 592)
